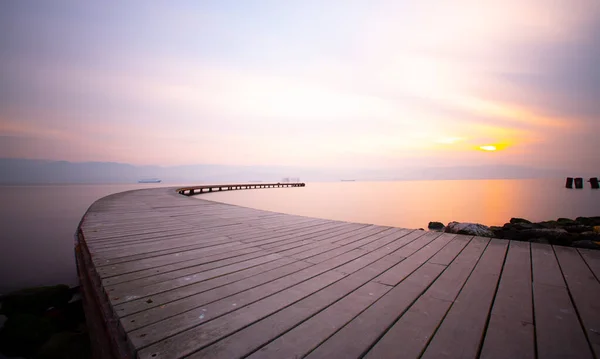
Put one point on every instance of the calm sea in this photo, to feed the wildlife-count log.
(38, 222)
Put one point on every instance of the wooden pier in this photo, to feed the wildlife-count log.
(168, 276)
(190, 191)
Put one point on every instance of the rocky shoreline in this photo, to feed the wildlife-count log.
(581, 232)
(43, 323)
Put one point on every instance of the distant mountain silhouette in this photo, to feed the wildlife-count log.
(26, 171)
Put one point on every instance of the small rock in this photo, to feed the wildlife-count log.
(540, 240)
(547, 233)
(436, 226)
(498, 231)
(588, 221)
(519, 220)
(65, 345)
(566, 221)
(591, 236)
(586, 243)
(521, 226)
(23, 334)
(472, 229)
(549, 224)
(35, 300)
(553, 235)
(578, 228)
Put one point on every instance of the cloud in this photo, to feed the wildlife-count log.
(304, 83)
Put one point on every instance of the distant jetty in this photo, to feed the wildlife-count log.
(150, 180)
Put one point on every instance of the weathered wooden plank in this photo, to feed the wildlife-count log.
(158, 263)
(143, 238)
(124, 294)
(353, 241)
(447, 254)
(240, 292)
(592, 258)
(153, 250)
(413, 330)
(401, 270)
(510, 332)
(256, 335)
(230, 248)
(303, 338)
(179, 323)
(179, 293)
(172, 271)
(386, 245)
(195, 338)
(100, 235)
(461, 331)
(557, 329)
(313, 230)
(585, 292)
(355, 338)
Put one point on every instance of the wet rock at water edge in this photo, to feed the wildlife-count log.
(566, 222)
(65, 345)
(578, 228)
(472, 229)
(519, 220)
(588, 221)
(547, 232)
(23, 334)
(35, 300)
(549, 224)
(436, 226)
(590, 236)
(43, 318)
(498, 231)
(521, 226)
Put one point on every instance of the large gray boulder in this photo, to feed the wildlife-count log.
(472, 229)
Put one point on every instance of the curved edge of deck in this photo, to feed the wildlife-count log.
(166, 276)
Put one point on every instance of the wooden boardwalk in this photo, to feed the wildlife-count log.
(168, 276)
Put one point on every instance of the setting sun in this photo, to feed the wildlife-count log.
(489, 148)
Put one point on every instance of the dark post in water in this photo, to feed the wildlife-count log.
(569, 182)
(578, 182)
(594, 182)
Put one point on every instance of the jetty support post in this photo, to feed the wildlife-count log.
(569, 183)
(578, 182)
(594, 183)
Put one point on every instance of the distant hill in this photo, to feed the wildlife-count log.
(26, 171)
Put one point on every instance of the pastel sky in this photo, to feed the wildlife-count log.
(373, 84)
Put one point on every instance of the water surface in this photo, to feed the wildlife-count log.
(38, 222)
(413, 204)
(38, 225)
